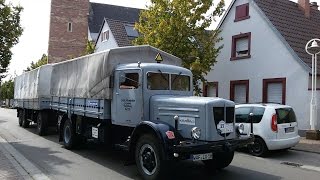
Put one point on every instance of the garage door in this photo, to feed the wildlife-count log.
(240, 93)
(274, 93)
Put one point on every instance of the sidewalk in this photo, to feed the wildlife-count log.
(9, 168)
(308, 145)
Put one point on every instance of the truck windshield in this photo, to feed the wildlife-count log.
(160, 81)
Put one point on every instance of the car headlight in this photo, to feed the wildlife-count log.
(195, 133)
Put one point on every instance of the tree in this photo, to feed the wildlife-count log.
(89, 47)
(40, 62)
(7, 90)
(180, 27)
(10, 31)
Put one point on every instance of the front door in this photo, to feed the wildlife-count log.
(127, 98)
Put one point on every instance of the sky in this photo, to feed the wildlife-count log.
(35, 20)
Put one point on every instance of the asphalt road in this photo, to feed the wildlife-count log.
(94, 162)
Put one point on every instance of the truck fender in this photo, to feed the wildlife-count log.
(61, 120)
(159, 130)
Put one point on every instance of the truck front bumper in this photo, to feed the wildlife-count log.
(189, 147)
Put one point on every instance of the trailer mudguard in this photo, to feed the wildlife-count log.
(166, 134)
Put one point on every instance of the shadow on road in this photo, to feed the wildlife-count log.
(115, 160)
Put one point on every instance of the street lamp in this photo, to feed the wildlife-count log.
(313, 49)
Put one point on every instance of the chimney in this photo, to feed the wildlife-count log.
(305, 6)
(314, 5)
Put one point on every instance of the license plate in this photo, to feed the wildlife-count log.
(289, 129)
(95, 132)
(200, 157)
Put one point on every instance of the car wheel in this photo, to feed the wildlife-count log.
(42, 123)
(219, 161)
(148, 157)
(25, 122)
(70, 139)
(258, 148)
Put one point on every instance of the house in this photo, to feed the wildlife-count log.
(264, 58)
(71, 26)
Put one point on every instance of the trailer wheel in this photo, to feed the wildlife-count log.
(219, 161)
(148, 157)
(42, 123)
(20, 117)
(25, 122)
(69, 135)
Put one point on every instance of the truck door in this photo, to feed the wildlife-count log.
(127, 98)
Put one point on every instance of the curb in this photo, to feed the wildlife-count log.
(304, 150)
(23, 165)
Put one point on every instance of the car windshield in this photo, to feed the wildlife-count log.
(160, 81)
(285, 115)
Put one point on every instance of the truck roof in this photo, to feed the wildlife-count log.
(155, 67)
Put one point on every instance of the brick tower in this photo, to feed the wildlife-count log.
(68, 29)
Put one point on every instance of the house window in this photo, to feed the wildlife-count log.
(239, 91)
(241, 46)
(242, 12)
(274, 90)
(69, 27)
(105, 36)
(210, 89)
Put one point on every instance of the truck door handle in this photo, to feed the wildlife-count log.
(117, 93)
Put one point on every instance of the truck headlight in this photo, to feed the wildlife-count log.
(195, 133)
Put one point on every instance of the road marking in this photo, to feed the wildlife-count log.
(313, 168)
(24, 163)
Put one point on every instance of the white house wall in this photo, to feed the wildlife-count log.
(103, 45)
(270, 58)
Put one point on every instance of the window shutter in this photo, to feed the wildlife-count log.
(242, 44)
(240, 93)
(274, 93)
(212, 91)
(242, 11)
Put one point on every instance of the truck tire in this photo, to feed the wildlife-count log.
(258, 148)
(219, 161)
(42, 123)
(149, 158)
(70, 139)
(25, 122)
(20, 117)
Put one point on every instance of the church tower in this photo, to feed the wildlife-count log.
(68, 29)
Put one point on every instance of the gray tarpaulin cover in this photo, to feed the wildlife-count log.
(33, 84)
(86, 76)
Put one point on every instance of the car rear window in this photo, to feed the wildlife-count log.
(285, 115)
(257, 114)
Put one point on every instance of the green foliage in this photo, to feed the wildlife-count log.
(7, 90)
(179, 27)
(89, 47)
(40, 62)
(10, 31)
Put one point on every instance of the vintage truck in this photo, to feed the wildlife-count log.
(123, 98)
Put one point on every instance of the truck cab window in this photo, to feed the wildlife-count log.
(158, 81)
(129, 81)
(180, 82)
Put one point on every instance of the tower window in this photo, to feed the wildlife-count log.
(69, 27)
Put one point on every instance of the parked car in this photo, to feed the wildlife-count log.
(274, 125)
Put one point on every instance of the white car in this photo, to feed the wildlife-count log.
(275, 126)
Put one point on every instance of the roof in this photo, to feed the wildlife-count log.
(98, 12)
(292, 24)
(119, 32)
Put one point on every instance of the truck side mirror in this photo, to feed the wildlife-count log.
(251, 122)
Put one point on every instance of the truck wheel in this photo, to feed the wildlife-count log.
(20, 117)
(25, 122)
(219, 161)
(258, 148)
(148, 158)
(42, 123)
(69, 135)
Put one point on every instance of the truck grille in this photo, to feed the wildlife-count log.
(218, 114)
